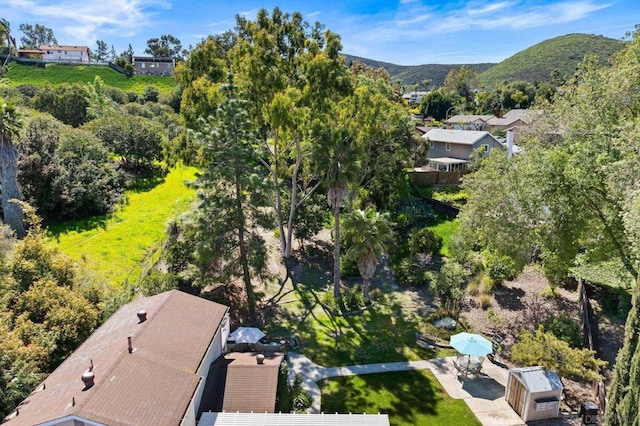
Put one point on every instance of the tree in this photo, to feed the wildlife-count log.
(99, 102)
(167, 46)
(436, 104)
(137, 140)
(36, 35)
(548, 351)
(7, 43)
(231, 194)
(66, 102)
(101, 53)
(366, 234)
(462, 81)
(9, 126)
(337, 154)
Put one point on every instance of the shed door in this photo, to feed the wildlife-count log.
(517, 393)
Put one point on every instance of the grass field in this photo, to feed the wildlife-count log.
(115, 247)
(444, 230)
(57, 74)
(408, 397)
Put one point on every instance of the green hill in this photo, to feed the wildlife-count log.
(409, 75)
(563, 53)
(57, 74)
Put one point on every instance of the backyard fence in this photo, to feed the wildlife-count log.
(437, 178)
(587, 332)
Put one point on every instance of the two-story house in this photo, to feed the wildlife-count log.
(73, 54)
(450, 150)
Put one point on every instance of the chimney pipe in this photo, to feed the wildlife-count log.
(130, 348)
(509, 143)
(91, 366)
(142, 316)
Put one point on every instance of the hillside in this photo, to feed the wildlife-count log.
(563, 53)
(57, 74)
(415, 74)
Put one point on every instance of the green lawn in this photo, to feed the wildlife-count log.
(57, 74)
(444, 230)
(408, 397)
(116, 246)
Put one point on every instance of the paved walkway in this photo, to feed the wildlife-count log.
(484, 395)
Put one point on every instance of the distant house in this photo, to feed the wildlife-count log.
(414, 97)
(450, 150)
(468, 122)
(514, 120)
(153, 65)
(146, 365)
(72, 54)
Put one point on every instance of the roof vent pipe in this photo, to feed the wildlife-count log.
(88, 378)
(142, 316)
(130, 347)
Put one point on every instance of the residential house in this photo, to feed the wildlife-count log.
(450, 150)
(514, 120)
(414, 97)
(71, 54)
(146, 365)
(468, 122)
(153, 65)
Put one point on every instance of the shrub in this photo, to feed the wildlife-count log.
(565, 329)
(473, 288)
(132, 96)
(485, 301)
(486, 284)
(449, 282)
(150, 94)
(117, 95)
(348, 266)
(410, 271)
(501, 268)
(548, 351)
(424, 241)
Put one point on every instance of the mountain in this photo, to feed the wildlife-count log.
(563, 53)
(409, 75)
(535, 63)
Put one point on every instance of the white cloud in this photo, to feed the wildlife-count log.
(82, 21)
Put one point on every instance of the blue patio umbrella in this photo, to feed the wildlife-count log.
(471, 344)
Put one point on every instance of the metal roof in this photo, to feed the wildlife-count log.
(536, 379)
(290, 419)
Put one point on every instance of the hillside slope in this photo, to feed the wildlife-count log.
(563, 53)
(57, 74)
(415, 74)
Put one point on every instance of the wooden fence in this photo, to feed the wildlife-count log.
(437, 178)
(599, 390)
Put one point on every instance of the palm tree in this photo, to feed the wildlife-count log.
(367, 233)
(337, 153)
(9, 126)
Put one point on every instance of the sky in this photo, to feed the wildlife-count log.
(404, 32)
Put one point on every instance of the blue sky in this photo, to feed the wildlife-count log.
(407, 32)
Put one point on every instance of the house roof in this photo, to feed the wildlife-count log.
(292, 419)
(237, 375)
(464, 137)
(463, 118)
(63, 47)
(152, 385)
(152, 59)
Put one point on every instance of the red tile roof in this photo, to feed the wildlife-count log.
(151, 386)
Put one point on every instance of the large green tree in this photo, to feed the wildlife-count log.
(231, 197)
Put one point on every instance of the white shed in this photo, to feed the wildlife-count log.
(534, 393)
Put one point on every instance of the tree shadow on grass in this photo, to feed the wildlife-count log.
(54, 230)
(402, 395)
(146, 180)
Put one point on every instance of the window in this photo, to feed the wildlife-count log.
(431, 144)
(448, 147)
(485, 149)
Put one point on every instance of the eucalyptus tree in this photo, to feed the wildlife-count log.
(291, 73)
(367, 233)
(10, 125)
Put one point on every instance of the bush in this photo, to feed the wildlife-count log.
(150, 94)
(352, 298)
(348, 266)
(449, 282)
(410, 271)
(485, 301)
(117, 95)
(501, 268)
(424, 241)
(565, 329)
(132, 96)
